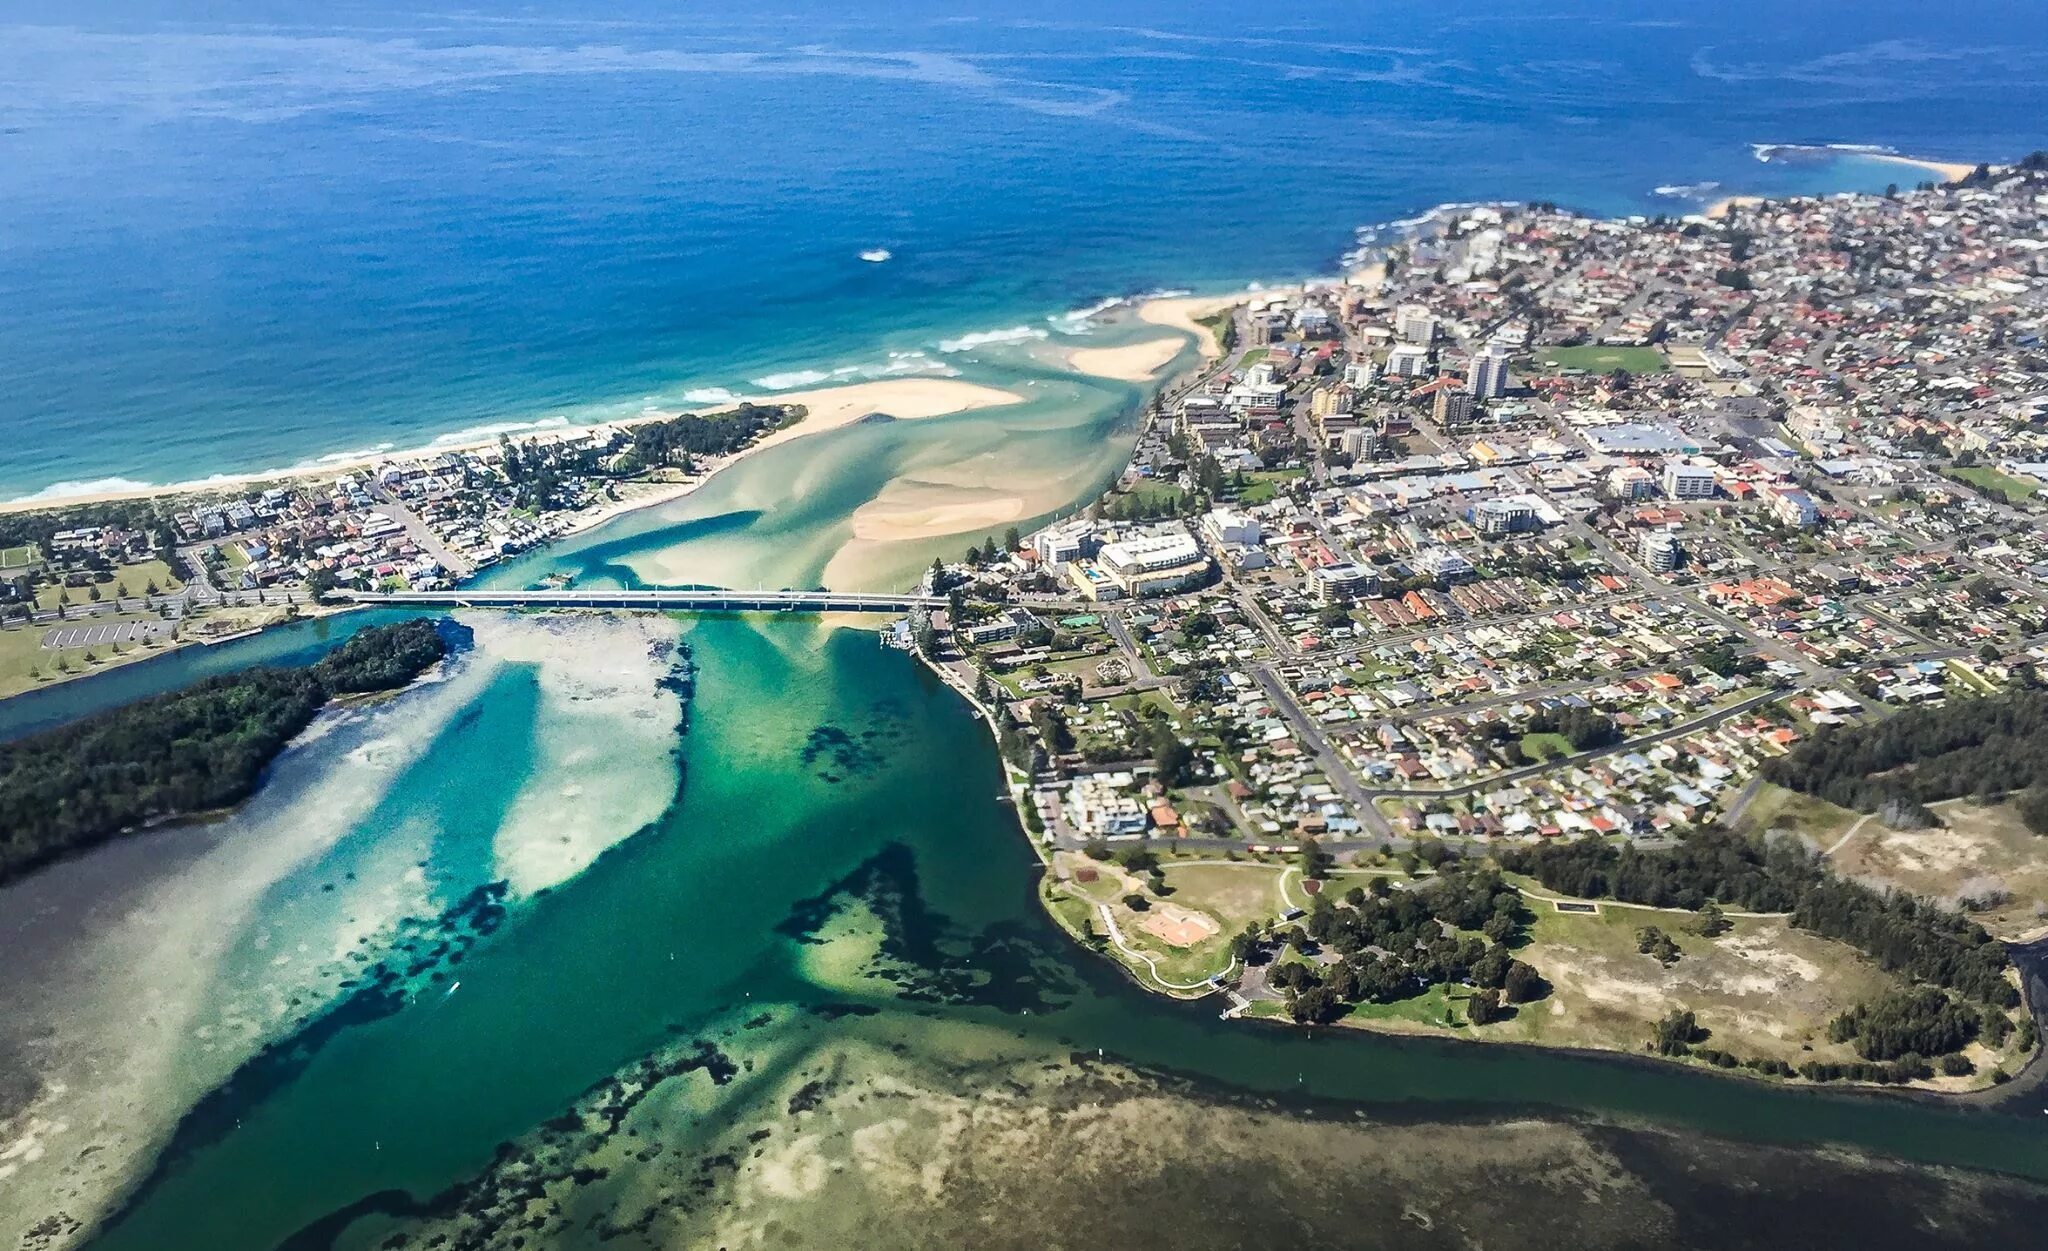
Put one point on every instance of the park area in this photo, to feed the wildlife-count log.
(1604, 359)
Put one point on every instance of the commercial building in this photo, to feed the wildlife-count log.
(1408, 360)
(1488, 379)
(1683, 481)
(1494, 518)
(1454, 407)
(1159, 563)
(1341, 582)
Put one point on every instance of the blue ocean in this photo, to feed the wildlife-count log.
(250, 234)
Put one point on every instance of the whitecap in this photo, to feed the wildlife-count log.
(984, 338)
(490, 430)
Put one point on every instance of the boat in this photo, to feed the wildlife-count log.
(875, 256)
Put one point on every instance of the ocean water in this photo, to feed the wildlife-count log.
(270, 232)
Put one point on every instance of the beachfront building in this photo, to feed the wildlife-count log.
(1061, 545)
(1156, 563)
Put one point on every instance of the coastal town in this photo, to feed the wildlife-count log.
(1535, 528)
(1544, 528)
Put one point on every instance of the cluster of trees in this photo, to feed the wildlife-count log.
(1707, 865)
(679, 441)
(1966, 747)
(1918, 1022)
(1911, 936)
(1396, 944)
(1584, 728)
(195, 750)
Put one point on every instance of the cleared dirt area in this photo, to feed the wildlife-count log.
(1178, 926)
(1984, 855)
(1762, 989)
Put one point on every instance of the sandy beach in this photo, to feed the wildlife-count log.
(1729, 203)
(1946, 171)
(1134, 362)
(1181, 313)
(829, 408)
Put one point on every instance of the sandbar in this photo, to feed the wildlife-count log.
(1133, 362)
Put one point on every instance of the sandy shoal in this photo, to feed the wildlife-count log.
(906, 399)
(1181, 312)
(967, 499)
(1133, 362)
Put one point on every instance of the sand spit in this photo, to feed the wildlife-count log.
(830, 408)
(1946, 171)
(1182, 313)
(1134, 362)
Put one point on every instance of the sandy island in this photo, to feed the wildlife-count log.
(1134, 362)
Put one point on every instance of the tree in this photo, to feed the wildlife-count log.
(1523, 984)
(1314, 862)
(1012, 540)
(1137, 903)
(1483, 1008)
(1677, 1032)
(1713, 922)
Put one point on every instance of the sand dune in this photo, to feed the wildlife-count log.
(1133, 362)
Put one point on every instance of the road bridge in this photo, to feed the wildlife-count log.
(685, 600)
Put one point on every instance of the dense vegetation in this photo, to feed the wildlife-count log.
(680, 440)
(1903, 934)
(1397, 943)
(1966, 747)
(1584, 728)
(201, 748)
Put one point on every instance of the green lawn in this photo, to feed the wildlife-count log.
(2013, 489)
(135, 579)
(1605, 360)
(20, 557)
(1546, 746)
